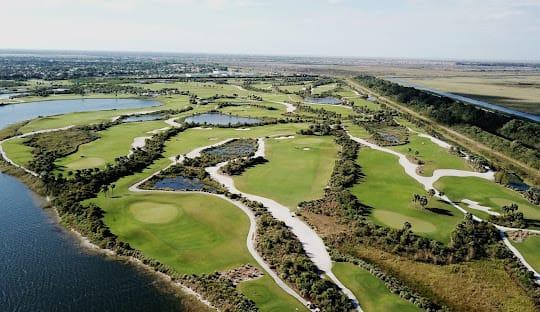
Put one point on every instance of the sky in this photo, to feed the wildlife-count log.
(421, 29)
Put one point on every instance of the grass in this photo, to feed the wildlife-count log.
(530, 249)
(343, 111)
(252, 111)
(488, 194)
(389, 190)
(433, 156)
(193, 138)
(193, 233)
(298, 170)
(324, 88)
(17, 151)
(471, 286)
(114, 142)
(268, 296)
(371, 292)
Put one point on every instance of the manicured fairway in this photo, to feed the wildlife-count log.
(193, 233)
(298, 170)
(530, 249)
(389, 190)
(113, 142)
(17, 151)
(193, 138)
(252, 111)
(370, 291)
(324, 88)
(292, 88)
(268, 296)
(343, 111)
(488, 194)
(433, 156)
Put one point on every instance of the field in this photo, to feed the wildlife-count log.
(530, 249)
(268, 296)
(370, 291)
(488, 194)
(388, 190)
(113, 142)
(197, 233)
(298, 170)
(471, 286)
(519, 92)
(433, 156)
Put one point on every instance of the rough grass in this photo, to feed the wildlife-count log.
(370, 291)
(488, 194)
(389, 190)
(298, 170)
(472, 286)
(268, 296)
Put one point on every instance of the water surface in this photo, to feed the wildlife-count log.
(42, 267)
(13, 113)
(220, 119)
(145, 117)
(323, 100)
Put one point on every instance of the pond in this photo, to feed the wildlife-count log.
(233, 149)
(180, 183)
(323, 100)
(13, 113)
(6, 96)
(220, 119)
(145, 117)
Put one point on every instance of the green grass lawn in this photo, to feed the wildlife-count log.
(293, 88)
(324, 88)
(193, 233)
(433, 156)
(17, 151)
(298, 170)
(113, 142)
(389, 190)
(252, 111)
(193, 138)
(530, 249)
(268, 296)
(371, 292)
(487, 193)
(343, 111)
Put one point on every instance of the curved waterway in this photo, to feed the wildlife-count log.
(43, 267)
(469, 100)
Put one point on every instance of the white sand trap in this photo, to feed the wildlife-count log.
(475, 205)
(201, 128)
(243, 129)
(284, 137)
(306, 149)
(158, 130)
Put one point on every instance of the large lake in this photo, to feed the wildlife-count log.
(13, 113)
(42, 267)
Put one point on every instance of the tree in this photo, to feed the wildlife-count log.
(431, 192)
(112, 188)
(105, 188)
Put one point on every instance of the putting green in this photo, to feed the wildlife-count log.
(396, 220)
(151, 212)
